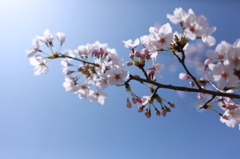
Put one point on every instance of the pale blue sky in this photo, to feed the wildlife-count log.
(39, 120)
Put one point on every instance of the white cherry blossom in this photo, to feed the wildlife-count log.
(178, 16)
(40, 64)
(116, 75)
(98, 96)
(222, 74)
(46, 38)
(220, 53)
(129, 44)
(83, 91)
(61, 37)
(162, 37)
(35, 48)
(70, 84)
(231, 117)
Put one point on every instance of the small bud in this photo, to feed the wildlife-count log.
(230, 106)
(131, 55)
(164, 112)
(137, 53)
(145, 51)
(199, 96)
(172, 105)
(137, 76)
(148, 113)
(191, 83)
(140, 109)
(167, 109)
(129, 63)
(134, 100)
(148, 57)
(158, 113)
(128, 103)
(139, 100)
(206, 63)
(183, 76)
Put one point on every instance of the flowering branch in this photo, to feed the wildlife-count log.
(91, 68)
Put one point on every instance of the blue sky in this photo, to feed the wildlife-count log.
(39, 120)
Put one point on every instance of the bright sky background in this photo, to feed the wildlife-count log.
(39, 120)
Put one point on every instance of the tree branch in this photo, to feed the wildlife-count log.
(185, 89)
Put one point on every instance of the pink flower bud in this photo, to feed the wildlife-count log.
(128, 103)
(172, 105)
(206, 63)
(191, 83)
(230, 106)
(158, 113)
(151, 72)
(199, 96)
(164, 112)
(148, 113)
(137, 76)
(139, 100)
(142, 57)
(134, 100)
(148, 57)
(140, 109)
(145, 51)
(137, 54)
(131, 56)
(129, 63)
(183, 76)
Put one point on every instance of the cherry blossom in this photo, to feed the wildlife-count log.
(70, 84)
(61, 37)
(223, 74)
(35, 48)
(220, 53)
(178, 16)
(116, 75)
(231, 117)
(46, 38)
(162, 37)
(40, 64)
(129, 44)
(98, 96)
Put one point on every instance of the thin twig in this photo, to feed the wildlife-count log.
(182, 61)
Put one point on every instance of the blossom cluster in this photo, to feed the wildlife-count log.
(224, 68)
(90, 69)
(99, 66)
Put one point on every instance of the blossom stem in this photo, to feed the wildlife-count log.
(77, 59)
(144, 72)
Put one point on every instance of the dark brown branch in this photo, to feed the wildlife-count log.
(182, 61)
(185, 89)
